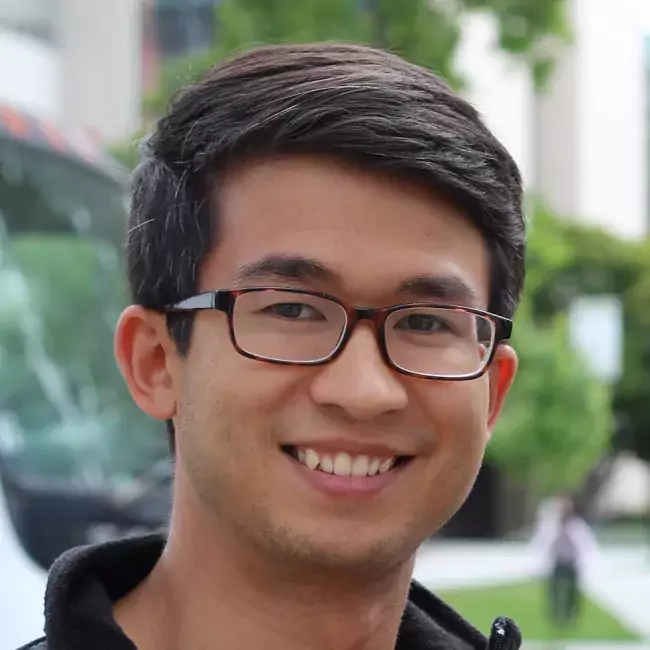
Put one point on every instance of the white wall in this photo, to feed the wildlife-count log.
(628, 490)
(29, 74)
(500, 87)
(557, 138)
(592, 126)
(101, 63)
(613, 79)
(22, 588)
(90, 78)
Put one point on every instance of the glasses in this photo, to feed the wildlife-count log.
(299, 327)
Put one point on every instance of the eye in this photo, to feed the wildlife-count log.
(294, 311)
(425, 323)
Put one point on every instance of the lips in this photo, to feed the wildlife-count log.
(341, 463)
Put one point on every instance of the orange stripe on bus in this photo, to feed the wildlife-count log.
(14, 121)
(53, 136)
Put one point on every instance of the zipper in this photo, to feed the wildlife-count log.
(505, 635)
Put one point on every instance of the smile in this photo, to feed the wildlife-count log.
(345, 465)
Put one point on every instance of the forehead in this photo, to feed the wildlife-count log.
(374, 231)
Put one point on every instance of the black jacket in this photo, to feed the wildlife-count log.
(85, 582)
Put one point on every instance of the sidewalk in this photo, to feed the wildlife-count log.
(620, 583)
(447, 565)
(587, 645)
(22, 585)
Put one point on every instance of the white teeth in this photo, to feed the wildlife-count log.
(311, 459)
(327, 464)
(360, 466)
(342, 464)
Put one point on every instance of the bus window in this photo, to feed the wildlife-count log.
(76, 456)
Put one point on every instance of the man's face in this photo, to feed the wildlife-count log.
(240, 422)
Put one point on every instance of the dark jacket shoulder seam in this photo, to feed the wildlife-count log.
(450, 620)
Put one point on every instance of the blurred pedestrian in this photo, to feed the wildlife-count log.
(569, 547)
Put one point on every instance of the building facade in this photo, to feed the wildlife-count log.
(74, 62)
(582, 143)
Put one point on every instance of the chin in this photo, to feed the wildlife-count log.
(348, 550)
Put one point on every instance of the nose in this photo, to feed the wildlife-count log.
(359, 381)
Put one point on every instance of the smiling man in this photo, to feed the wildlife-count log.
(325, 251)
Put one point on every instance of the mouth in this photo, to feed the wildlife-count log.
(343, 464)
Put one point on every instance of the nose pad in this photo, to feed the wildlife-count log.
(359, 381)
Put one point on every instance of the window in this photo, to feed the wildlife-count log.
(184, 26)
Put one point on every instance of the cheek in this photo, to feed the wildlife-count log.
(224, 377)
(463, 407)
(230, 399)
(458, 414)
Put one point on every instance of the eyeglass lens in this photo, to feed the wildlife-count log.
(303, 328)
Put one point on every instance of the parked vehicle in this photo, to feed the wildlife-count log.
(76, 456)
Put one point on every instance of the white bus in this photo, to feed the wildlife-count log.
(78, 462)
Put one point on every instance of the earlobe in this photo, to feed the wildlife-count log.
(501, 374)
(146, 357)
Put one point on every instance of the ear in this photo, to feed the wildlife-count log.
(501, 375)
(148, 361)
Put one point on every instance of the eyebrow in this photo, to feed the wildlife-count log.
(286, 267)
(283, 267)
(449, 288)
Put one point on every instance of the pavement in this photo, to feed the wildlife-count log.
(587, 645)
(22, 585)
(621, 585)
(619, 581)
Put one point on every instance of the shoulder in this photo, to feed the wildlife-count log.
(432, 623)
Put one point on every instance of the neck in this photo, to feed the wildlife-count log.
(208, 586)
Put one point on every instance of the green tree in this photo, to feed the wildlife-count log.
(423, 31)
(557, 420)
(567, 259)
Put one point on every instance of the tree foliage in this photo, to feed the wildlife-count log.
(423, 31)
(557, 420)
(568, 259)
(530, 30)
(426, 32)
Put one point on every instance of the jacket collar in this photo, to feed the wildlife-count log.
(85, 582)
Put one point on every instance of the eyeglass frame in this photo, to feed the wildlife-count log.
(224, 300)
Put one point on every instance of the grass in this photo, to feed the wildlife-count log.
(525, 603)
(625, 532)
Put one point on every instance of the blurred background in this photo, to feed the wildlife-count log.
(563, 83)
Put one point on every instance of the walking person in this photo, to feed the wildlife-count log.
(569, 547)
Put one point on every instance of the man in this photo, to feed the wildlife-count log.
(325, 251)
(567, 547)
